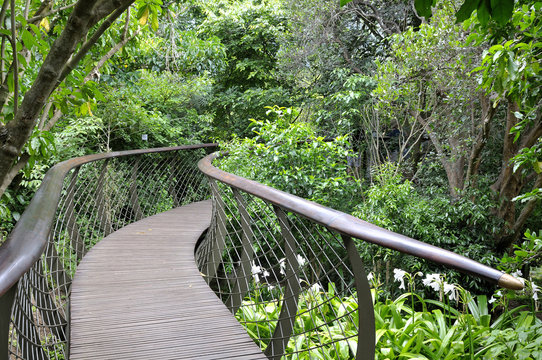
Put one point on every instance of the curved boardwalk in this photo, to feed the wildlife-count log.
(139, 295)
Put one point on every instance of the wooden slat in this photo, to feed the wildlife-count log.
(139, 295)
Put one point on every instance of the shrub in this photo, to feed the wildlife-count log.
(287, 155)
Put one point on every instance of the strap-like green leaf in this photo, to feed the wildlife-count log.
(423, 7)
(501, 10)
(484, 11)
(466, 10)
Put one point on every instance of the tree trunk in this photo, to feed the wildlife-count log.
(475, 159)
(61, 58)
(510, 183)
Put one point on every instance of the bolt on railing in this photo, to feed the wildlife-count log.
(289, 270)
(81, 201)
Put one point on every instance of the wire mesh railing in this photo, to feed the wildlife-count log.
(93, 196)
(289, 271)
(286, 268)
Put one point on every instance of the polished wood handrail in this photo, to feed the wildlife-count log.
(351, 226)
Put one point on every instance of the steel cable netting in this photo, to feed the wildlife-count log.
(286, 279)
(286, 268)
(97, 198)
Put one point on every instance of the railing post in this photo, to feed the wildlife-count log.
(71, 225)
(243, 272)
(173, 182)
(28, 336)
(215, 257)
(288, 311)
(54, 265)
(366, 316)
(46, 304)
(6, 303)
(134, 198)
(102, 214)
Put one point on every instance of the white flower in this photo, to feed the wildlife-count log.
(265, 273)
(536, 290)
(270, 287)
(316, 288)
(450, 288)
(370, 276)
(398, 275)
(301, 260)
(492, 300)
(255, 271)
(255, 268)
(433, 281)
(282, 264)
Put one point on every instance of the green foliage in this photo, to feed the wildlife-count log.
(511, 67)
(338, 111)
(233, 108)
(525, 255)
(79, 136)
(464, 226)
(315, 310)
(179, 51)
(40, 148)
(166, 107)
(287, 154)
(499, 10)
(408, 327)
(249, 33)
(248, 82)
(521, 341)
(446, 333)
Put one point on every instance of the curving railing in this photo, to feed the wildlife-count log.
(79, 202)
(289, 270)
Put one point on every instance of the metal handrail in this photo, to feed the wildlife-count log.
(81, 201)
(245, 232)
(351, 226)
(27, 241)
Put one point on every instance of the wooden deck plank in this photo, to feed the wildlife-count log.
(139, 295)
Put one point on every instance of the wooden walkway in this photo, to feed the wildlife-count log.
(139, 295)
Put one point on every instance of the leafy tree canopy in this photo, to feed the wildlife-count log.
(498, 10)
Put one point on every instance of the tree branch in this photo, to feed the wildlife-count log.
(20, 128)
(15, 60)
(85, 14)
(522, 218)
(72, 63)
(56, 116)
(106, 7)
(533, 135)
(2, 55)
(109, 54)
(3, 12)
(126, 24)
(45, 114)
(40, 14)
(21, 163)
(488, 111)
(26, 9)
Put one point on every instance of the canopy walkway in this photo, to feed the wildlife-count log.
(133, 296)
(143, 255)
